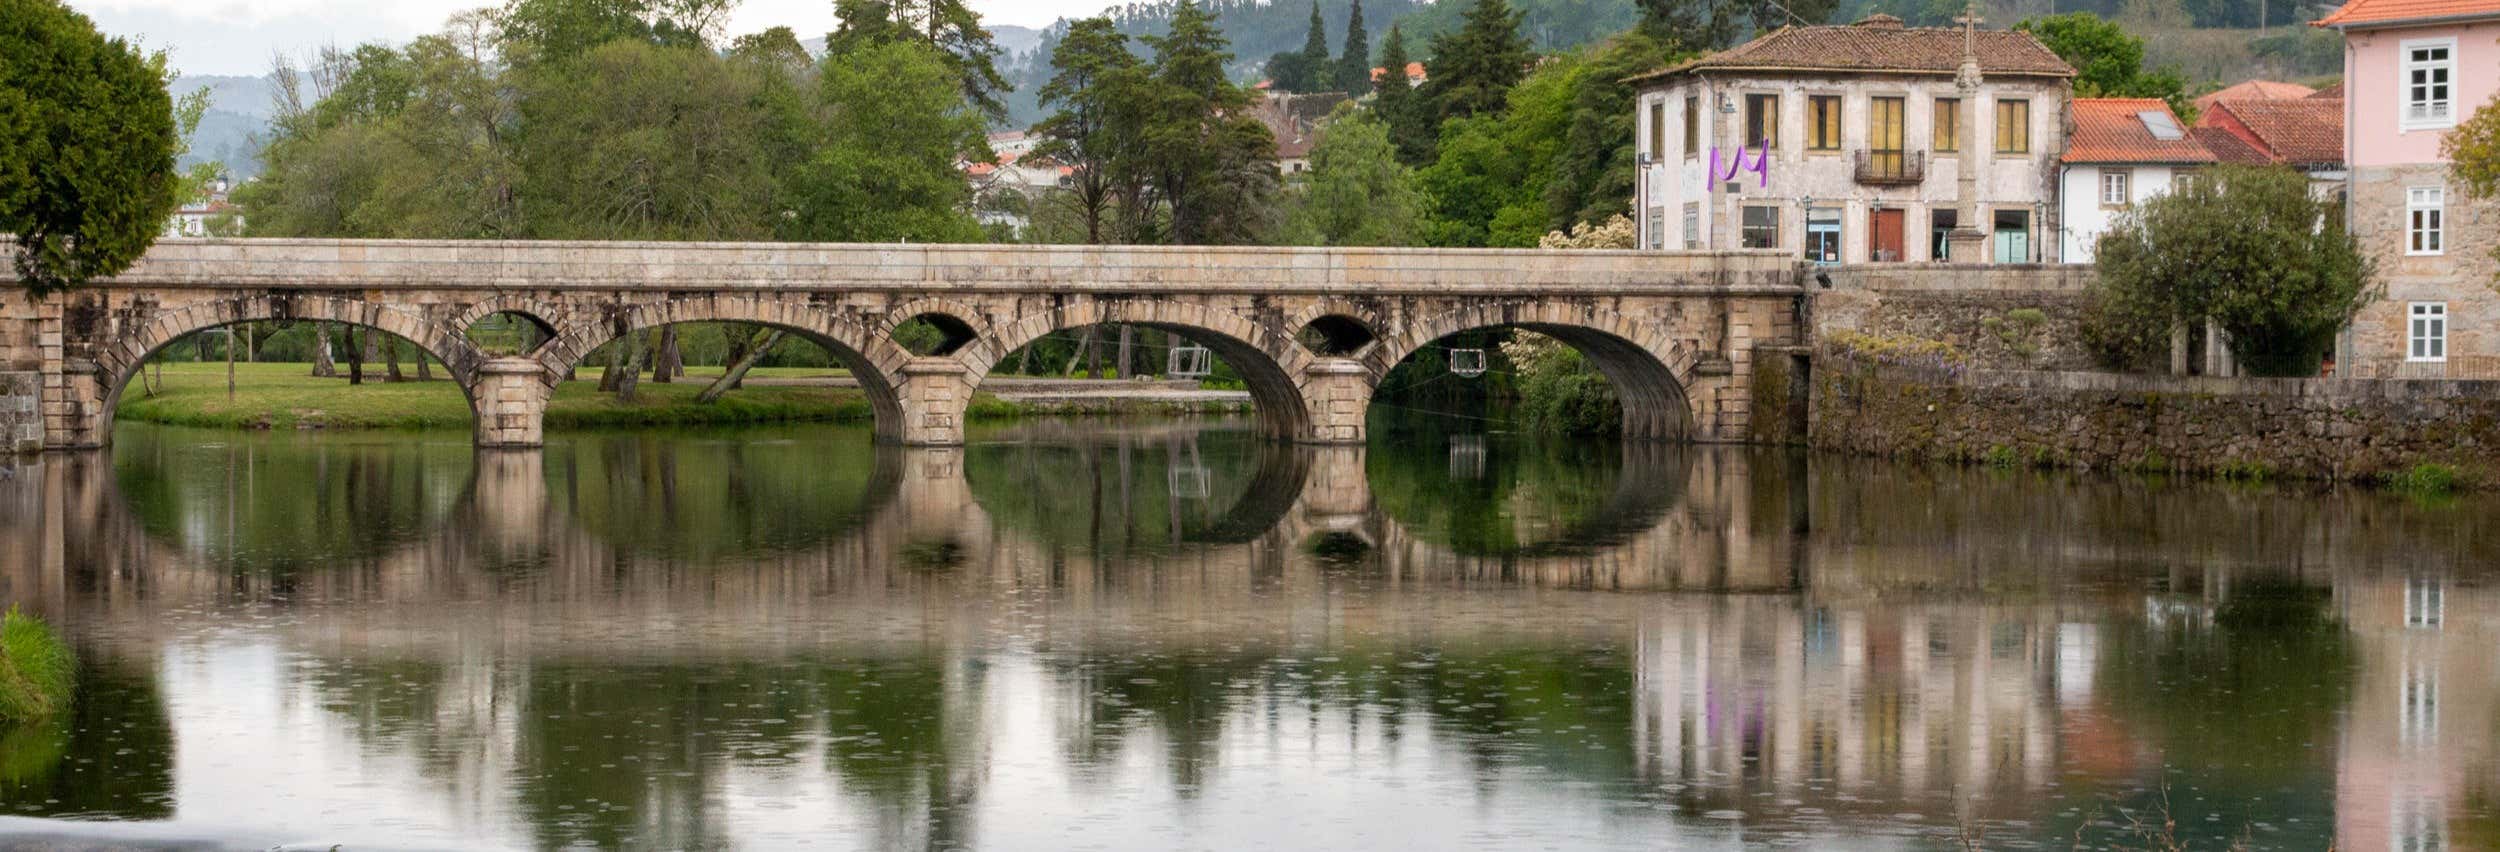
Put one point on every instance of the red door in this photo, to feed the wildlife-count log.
(1887, 231)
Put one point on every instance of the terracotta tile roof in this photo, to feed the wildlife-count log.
(2303, 132)
(2254, 90)
(2334, 92)
(2363, 13)
(1880, 43)
(2228, 147)
(2112, 130)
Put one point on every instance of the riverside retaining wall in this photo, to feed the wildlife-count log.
(1954, 304)
(2348, 429)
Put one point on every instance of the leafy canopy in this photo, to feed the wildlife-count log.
(87, 146)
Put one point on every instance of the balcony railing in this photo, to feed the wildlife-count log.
(1892, 168)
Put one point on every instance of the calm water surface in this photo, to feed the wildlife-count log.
(1175, 636)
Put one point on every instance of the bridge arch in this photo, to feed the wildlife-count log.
(118, 363)
(1649, 369)
(871, 356)
(1271, 364)
(959, 325)
(547, 319)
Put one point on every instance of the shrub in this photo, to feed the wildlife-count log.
(2249, 248)
(35, 670)
(2426, 479)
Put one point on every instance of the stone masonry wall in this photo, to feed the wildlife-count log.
(21, 413)
(2349, 429)
(1953, 304)
(2463, 278)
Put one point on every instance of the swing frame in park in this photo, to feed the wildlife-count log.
(1189, 361)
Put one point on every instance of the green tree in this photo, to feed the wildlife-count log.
(1354, 65)
(2473, 150)
(2109, 63)
(1713, 24)
(1213, 165)
(1097, 127)
(1474, 68)
(1288, 72)
(1315, 59)
(949, 26)
(1593, 181)
(633, 141)
(2249, 248)
(555, 30)
(1358, 193)
(884, 166)
(1488, 181)
(87, 144)
(1412, 124)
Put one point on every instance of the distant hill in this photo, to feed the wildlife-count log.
(239, 110)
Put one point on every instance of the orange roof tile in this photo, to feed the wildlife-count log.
(2364, 13)
(1879, 44)
(2228, 147)
(2304, 132)
(2113, 130)
(2254, 90)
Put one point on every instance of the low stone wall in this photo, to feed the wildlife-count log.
(21, 417)
(1954, 304)
(2346, 429)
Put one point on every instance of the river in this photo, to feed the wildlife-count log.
(1094, 635)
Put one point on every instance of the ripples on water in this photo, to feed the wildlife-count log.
(1176, 636)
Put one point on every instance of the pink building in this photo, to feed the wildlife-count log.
(2413, 69)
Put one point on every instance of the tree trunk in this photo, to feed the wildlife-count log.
(633, 369)
(669, 365)
(1024, 361)
(1093, 358)
(615, 371)
(230, 330)
(1083, 344)
(324, 365)
(251, 343)
(425, 370)
(1128, 335)
(390, 354)
(356, 340)
(737, 372)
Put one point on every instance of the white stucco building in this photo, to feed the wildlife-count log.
(2122, 152)
(1865, 128)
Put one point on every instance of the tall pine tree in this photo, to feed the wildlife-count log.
(1412, 124)
(1096, 128)
(1474, 68)
(1315, 58)
(1354, 67)
(1214, 165)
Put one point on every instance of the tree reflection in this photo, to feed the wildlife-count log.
(110, 757)
(704, 497)
(283, 505)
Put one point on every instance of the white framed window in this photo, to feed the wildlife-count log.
(2426, 220)
(1692, 225)
(1657, 231)
(2430, 67)
(2114, 187)
(2426, 332)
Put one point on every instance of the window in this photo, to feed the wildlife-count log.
(2114, 187)
(2013, 237)
(2426, 220)
(2428, 97)
(2426, 601)
(1762, 227)
(1948, 124)
(1692, 126)
(2184, 180)
(1823, 235)
(1885, 138)
(1823, 123)
(2426, 336)
(1658, 228)
(1940, 225)
(2013, 127)
(1692, 225)
(1762, 120)
(1657, 131)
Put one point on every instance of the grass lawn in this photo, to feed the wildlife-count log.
(286, 396)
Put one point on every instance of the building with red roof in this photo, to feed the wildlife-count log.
(2119, 152)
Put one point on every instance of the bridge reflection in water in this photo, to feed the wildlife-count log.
(1151, 636)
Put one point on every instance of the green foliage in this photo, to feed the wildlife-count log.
(2109, 62)
(2473, 153)
(2241, 470)
(884, 162)
(36, 670)
(1560, 392)
(1713, 24)
(2250, 248)
(1900, 350)
(87, 145)
(1358, 194)
(595, 164)
(1488, 181)
(1315, 63)
(1593, 180)
(1411, 123)
(558, 30)
(1549, 25)
(947, 26)
(2018, 331)
(1474, 68)
(1354, 64)
(2429, 479)
(2002, 457)
(1098, 130)
(1213, 165)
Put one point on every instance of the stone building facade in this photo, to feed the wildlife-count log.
(1868, 139)
(2414, 69)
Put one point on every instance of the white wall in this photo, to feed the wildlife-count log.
(2081, 211)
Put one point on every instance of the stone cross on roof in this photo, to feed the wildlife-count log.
(1967, 78)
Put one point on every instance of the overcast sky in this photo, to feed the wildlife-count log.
(238, 36)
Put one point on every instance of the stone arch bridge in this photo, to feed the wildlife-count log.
(1311, 331)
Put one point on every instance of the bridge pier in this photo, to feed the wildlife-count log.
(934, 393)
(1336, 392)
(75, 402)
(511, 401)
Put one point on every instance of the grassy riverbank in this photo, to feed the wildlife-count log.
(35, 670)
(285, 396)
